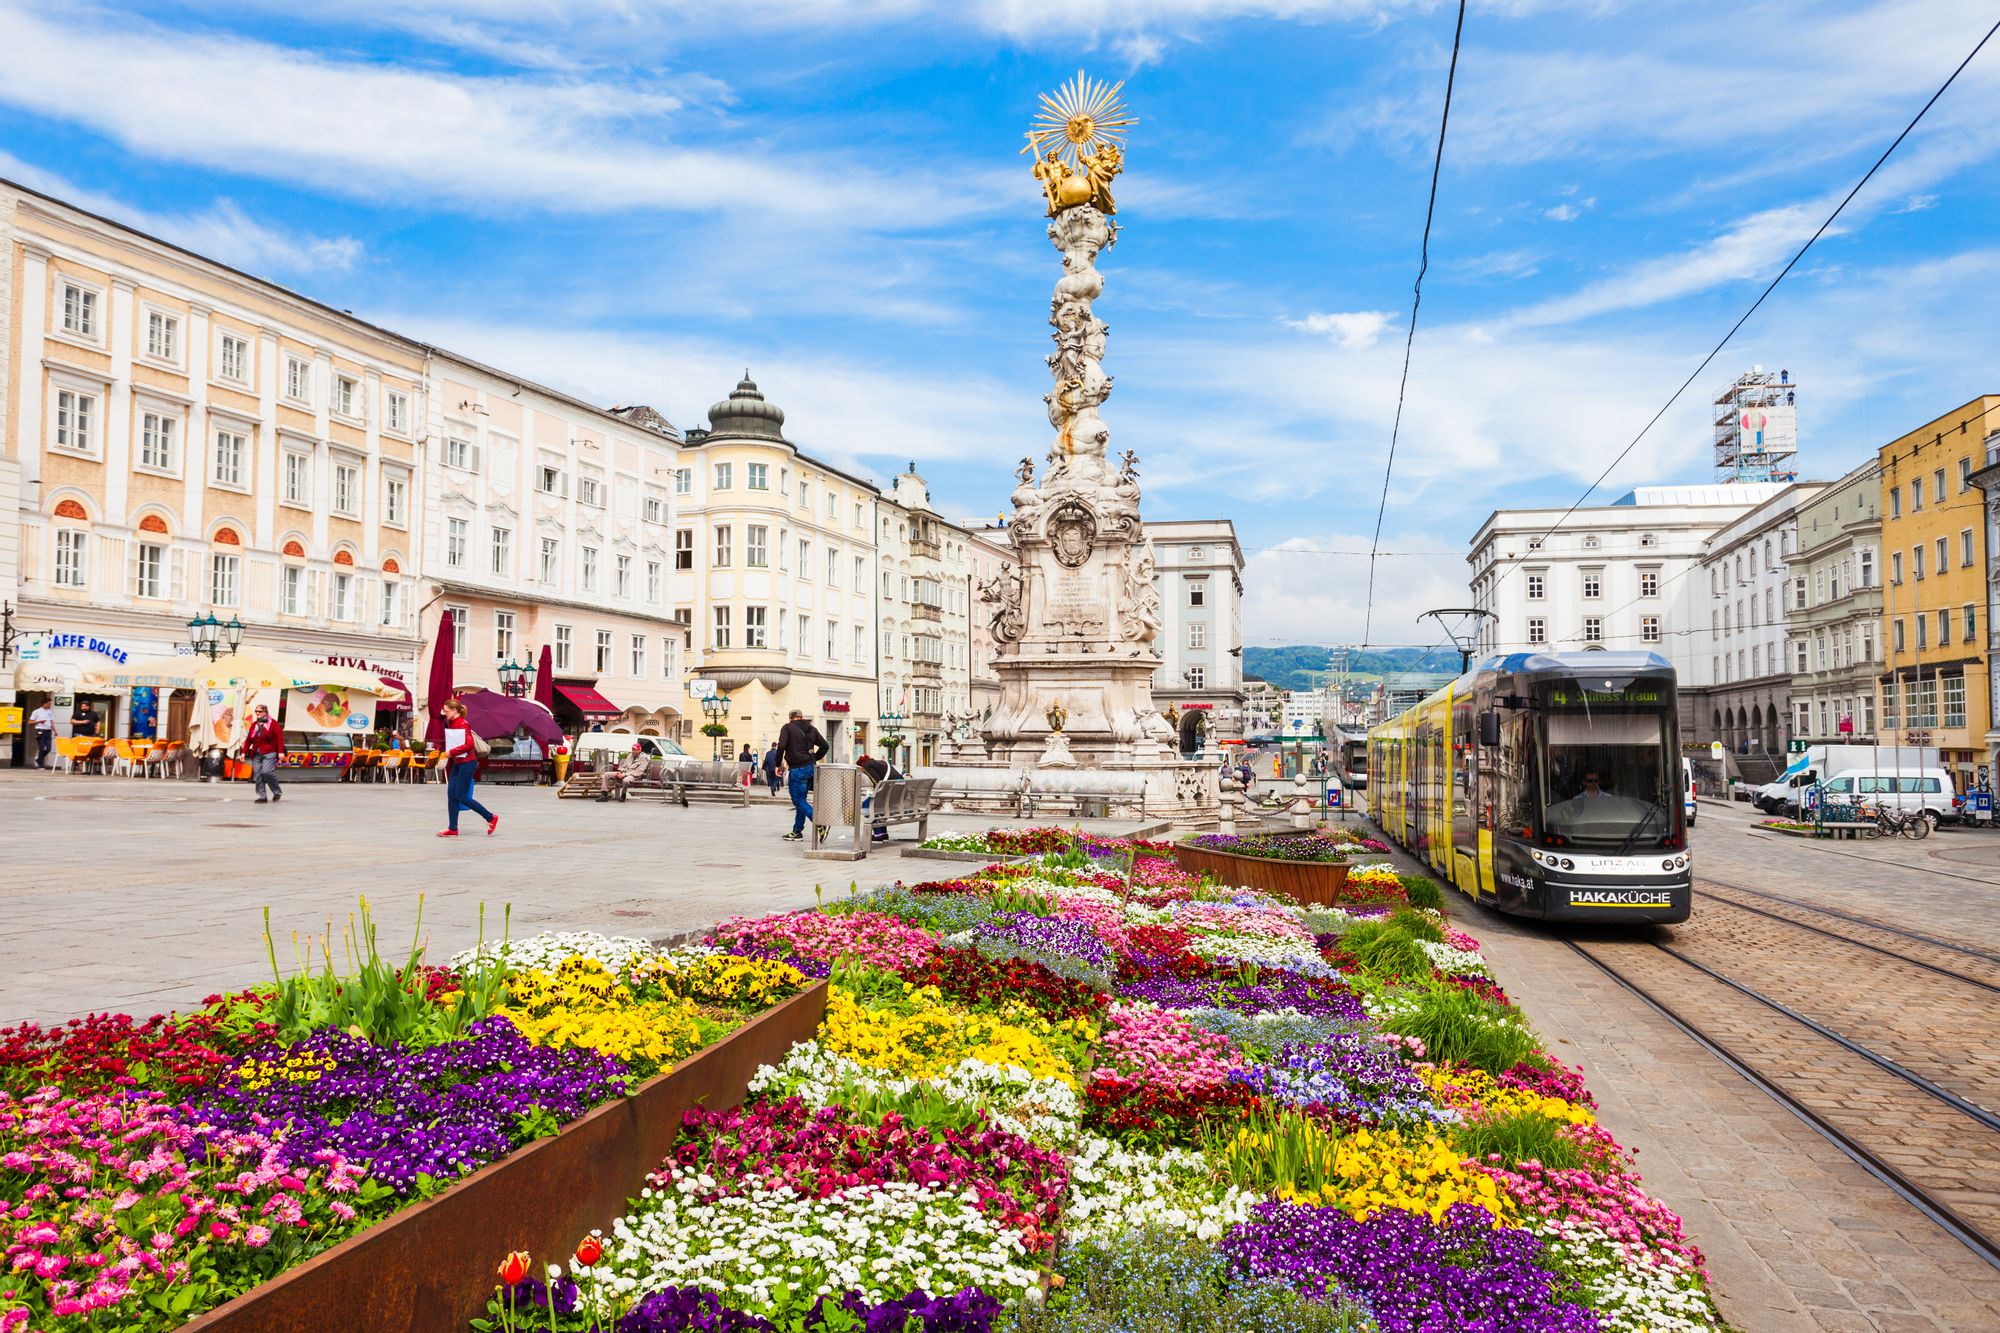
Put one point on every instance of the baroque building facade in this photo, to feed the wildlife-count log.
(772, 566)
(925, 614)
(1836, 611)
(183, 439)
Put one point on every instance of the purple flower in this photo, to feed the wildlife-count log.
(439, 1111)
(687, 1310)
(1348, 1071)
(1414, 1275)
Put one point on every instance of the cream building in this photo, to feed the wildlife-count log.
(549, 523)
(772, 563)
(181, 438)
(925, 613)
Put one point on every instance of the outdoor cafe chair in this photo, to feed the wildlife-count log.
(124, 758)
(65, 754)
(162, 754)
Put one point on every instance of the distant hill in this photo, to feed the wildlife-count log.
(1304, 666)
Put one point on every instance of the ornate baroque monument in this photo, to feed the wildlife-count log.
(1075, 615)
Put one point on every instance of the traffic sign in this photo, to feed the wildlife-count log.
(1795, 747)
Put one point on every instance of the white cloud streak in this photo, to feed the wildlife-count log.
(221, 231)
(385, 133)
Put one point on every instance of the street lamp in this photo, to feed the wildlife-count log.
(715, 707)
(516, 678)
(209, 636)
(891, 720)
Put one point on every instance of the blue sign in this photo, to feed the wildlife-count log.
(88, 644)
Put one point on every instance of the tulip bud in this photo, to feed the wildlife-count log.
(589, 1252)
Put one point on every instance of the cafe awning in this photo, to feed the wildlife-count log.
(588, 701)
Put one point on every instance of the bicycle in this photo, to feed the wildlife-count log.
(1889, 823)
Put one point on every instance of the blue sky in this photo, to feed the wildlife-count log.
(632, 201)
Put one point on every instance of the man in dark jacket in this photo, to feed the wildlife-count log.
(801, 746)
(773, 759)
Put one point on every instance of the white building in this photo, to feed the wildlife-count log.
(547, 523)
(986, 551)
(1737, 684)
(1622, 575)
(1201, 632)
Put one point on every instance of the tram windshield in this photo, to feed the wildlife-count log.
(1605, 779)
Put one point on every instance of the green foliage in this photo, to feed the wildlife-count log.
(1422, 892)
(1167, 1280)
(1416, 925)
(372, 997)
(1520, 1138)
(1382, 946)
(1456, 1024)
(1306, 666)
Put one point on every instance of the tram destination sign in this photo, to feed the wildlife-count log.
(1573, 694)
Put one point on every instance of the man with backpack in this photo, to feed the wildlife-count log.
(801, 747)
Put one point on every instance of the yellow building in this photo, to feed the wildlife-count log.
(774, 569)
(1935, 691)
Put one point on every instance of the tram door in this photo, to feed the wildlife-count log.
(1465, 795)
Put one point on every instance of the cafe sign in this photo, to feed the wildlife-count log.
(36, 646)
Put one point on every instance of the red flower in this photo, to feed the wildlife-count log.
(514, 1268)
(589, 1252)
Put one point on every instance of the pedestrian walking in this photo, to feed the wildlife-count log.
(262, 744)
(773, 761)
(44, 723)
(802, 747)
(461, 750)
(747, 761)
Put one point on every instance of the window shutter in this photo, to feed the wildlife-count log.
(312, 592)
(563, 488)
(177, 575)
(132, 570)
(472, 458)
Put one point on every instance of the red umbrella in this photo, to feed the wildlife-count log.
(442, 652)
(545, 679)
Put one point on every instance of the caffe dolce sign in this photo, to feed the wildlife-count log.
(36, 647)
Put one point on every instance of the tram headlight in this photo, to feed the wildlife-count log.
(1668, 864)
(1568, 864)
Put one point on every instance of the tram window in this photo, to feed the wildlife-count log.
(1606, 778)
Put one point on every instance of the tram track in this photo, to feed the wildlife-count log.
(1904, 932)
(1875, 861)
(1886, 1118)
(1937, 969)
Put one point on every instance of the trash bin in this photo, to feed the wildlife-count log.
(211, 765)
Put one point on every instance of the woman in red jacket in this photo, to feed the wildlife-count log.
(461, 757)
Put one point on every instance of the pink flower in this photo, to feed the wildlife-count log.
(257, 1237)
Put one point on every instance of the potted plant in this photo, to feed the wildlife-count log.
(1306, 869)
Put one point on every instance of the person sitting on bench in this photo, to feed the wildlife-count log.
(879, 771)
(622, 775)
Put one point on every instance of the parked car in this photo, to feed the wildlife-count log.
(1687, 790)
(1929, 790)
(596, 748)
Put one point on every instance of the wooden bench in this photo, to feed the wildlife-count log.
(902, 801)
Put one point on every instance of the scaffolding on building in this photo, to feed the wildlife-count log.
(1757, 428)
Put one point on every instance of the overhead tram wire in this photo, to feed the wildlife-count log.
(1770, 287)
(1410, 335)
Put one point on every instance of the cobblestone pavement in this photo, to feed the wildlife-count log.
(134, 895)
(1798, 1237)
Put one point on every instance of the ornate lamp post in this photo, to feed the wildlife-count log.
(891, 721)
(209, 636)
(516, 678)
(715, 707)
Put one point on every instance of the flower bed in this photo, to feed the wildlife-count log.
(1171, 1103)
(1303, 869)
(151, 1171)
(1791, 826)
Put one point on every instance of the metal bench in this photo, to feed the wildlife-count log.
(998, 790)
(664, 782)
(902, 801)
(1088, 793)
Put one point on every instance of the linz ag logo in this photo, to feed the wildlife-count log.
(1619, 898)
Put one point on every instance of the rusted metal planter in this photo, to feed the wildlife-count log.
(1309, 882)
(431, 1268)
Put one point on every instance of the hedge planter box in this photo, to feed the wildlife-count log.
(1311, 882)
(431, 1268)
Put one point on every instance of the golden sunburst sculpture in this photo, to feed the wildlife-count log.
(1078, 141)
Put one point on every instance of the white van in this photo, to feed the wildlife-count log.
(1927, 789)
(597, 748)
(1688, 801)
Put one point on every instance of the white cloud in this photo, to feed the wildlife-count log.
(222, 231)
(1752, 248)
(1351, 331)
(381, 132)
(1294, 594)
(1563, 213)
(1917, 203)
